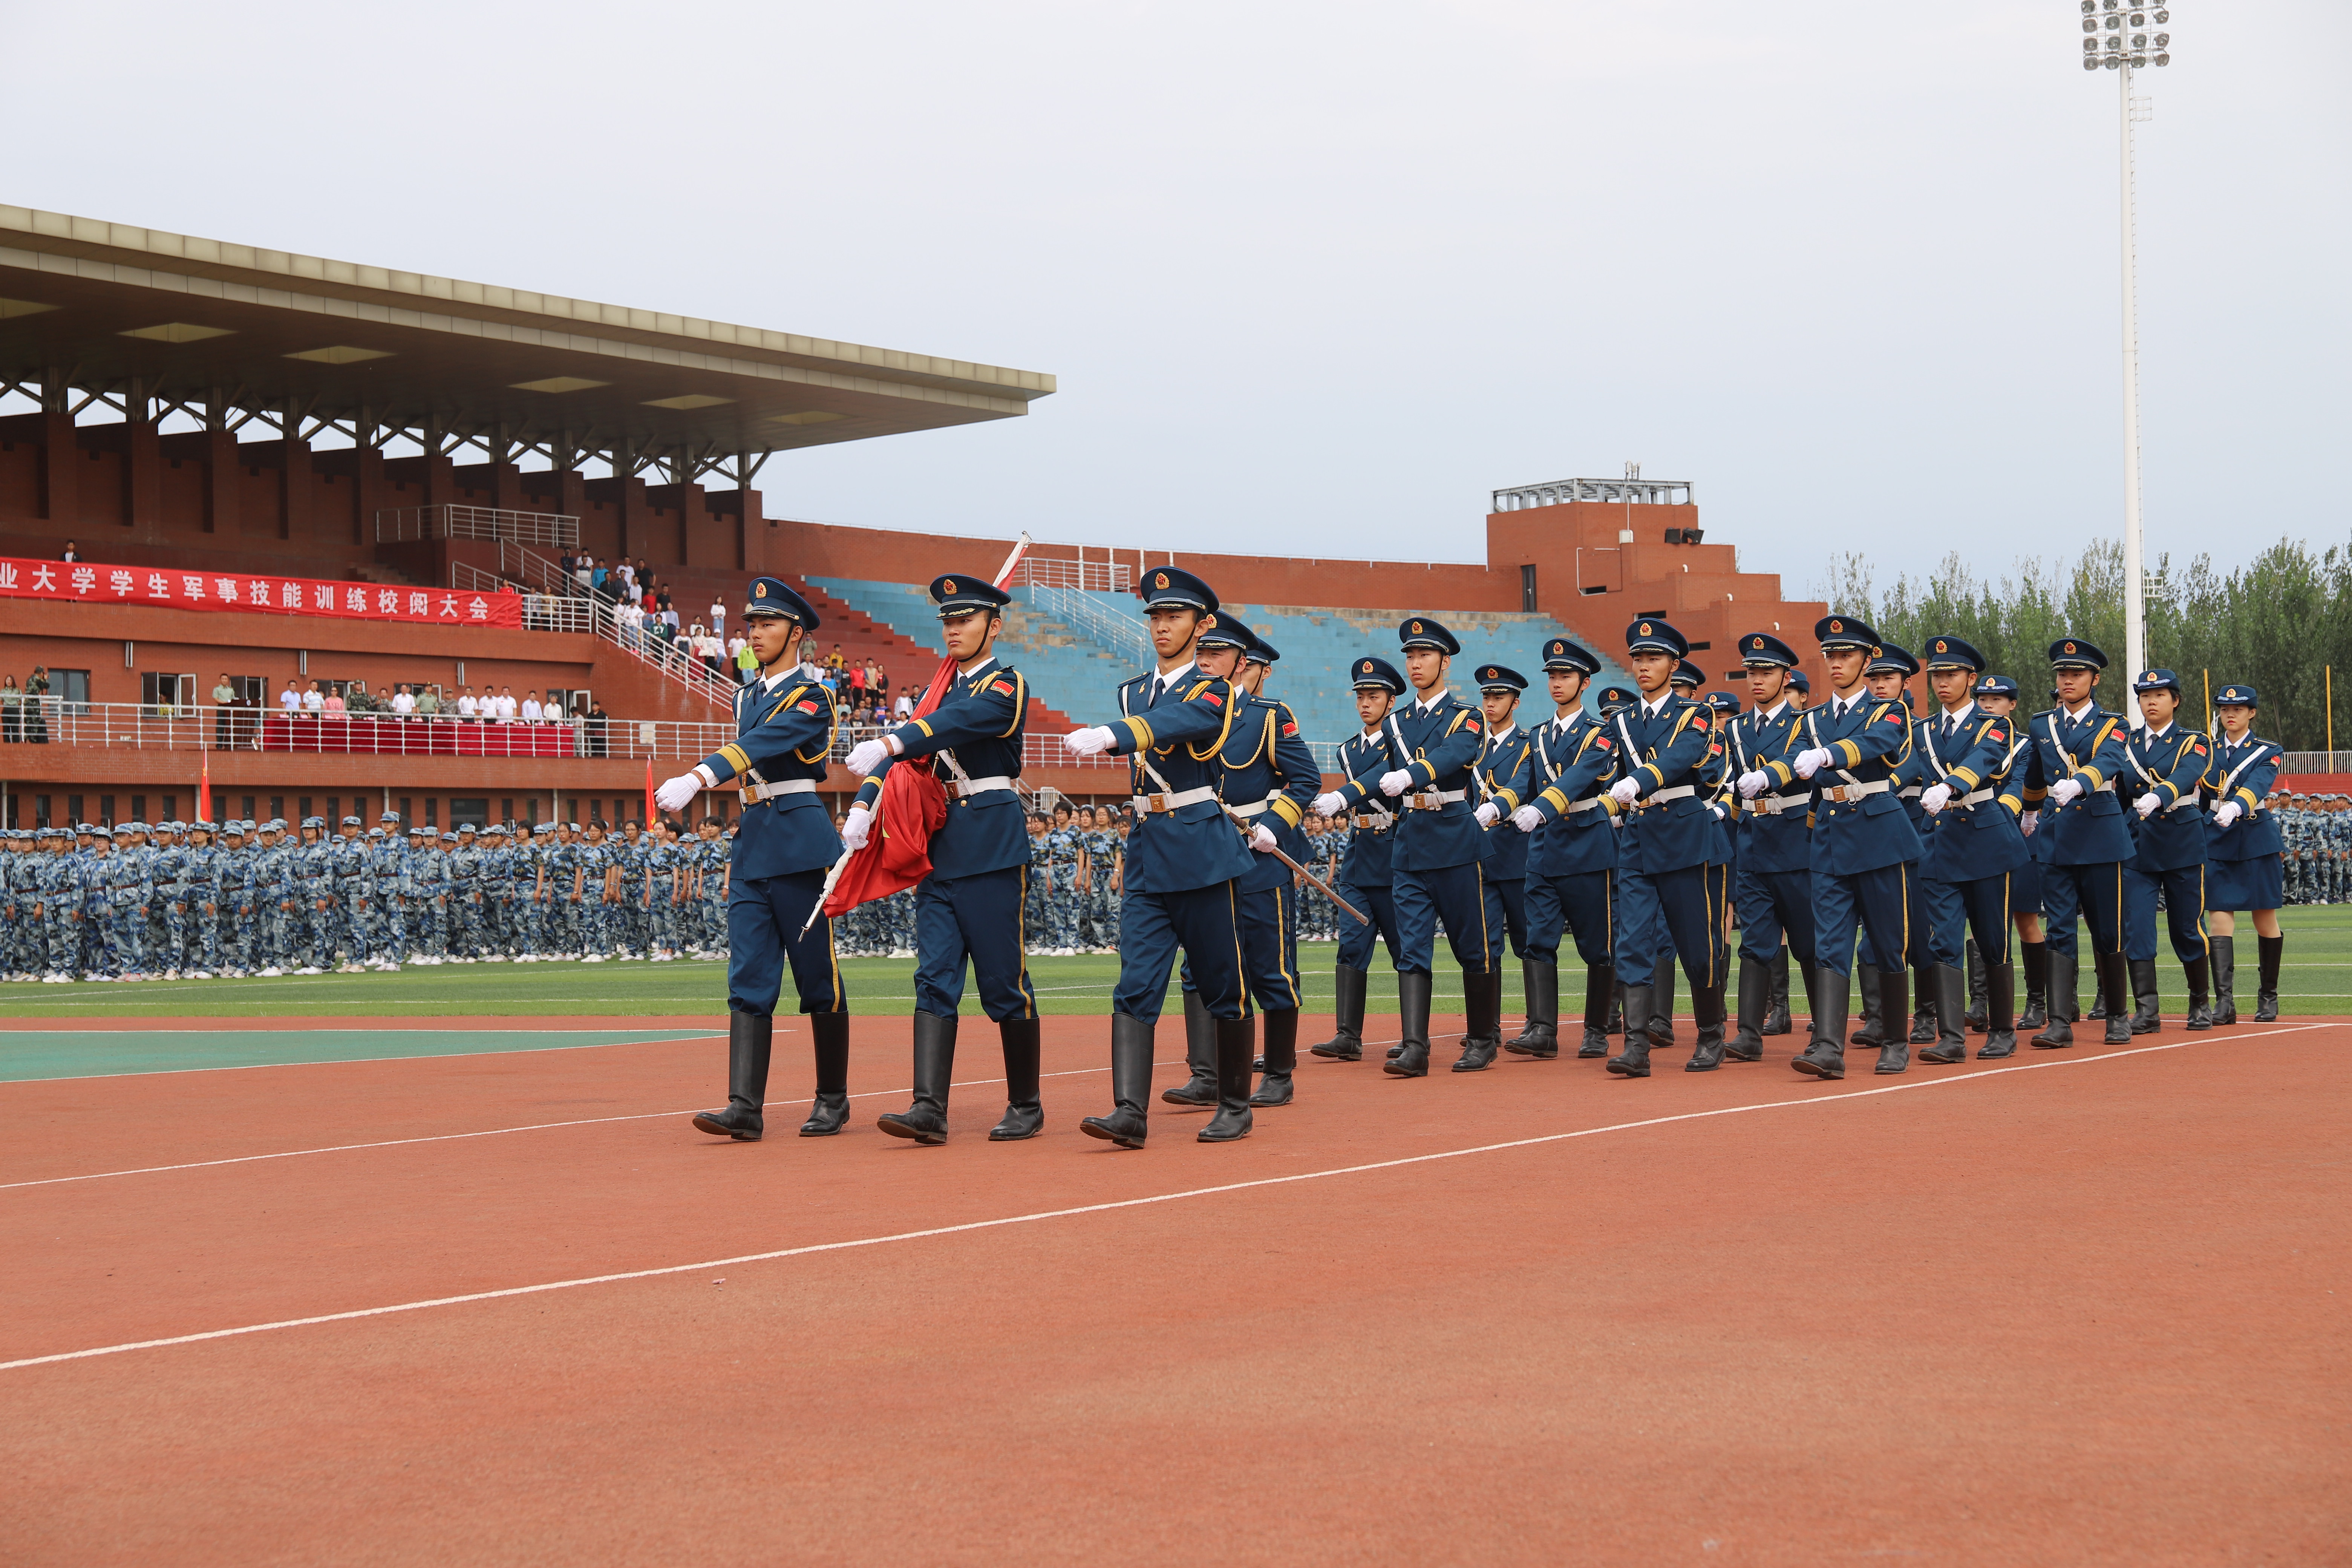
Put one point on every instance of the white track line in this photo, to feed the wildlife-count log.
(1041, 1215)
(679, 1039)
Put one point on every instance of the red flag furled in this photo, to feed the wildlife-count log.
(650, 818)
(205, 790)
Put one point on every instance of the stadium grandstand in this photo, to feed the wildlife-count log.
(272, 470)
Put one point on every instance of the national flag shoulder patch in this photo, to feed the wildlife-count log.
(1213, 700)
(1474, 726)
(808, 707)
(1290, 728)
(2198, 747)
(1893, 717)
(1699, 721)
(1603, 741)
(1005, 686)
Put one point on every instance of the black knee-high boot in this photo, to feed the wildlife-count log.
(1893, 1006)
(1873, 1031)
(1951, 1031)
(2268, 950)
(1482, 1034)
(1616, 1006)
(1411, 1060)
(1975, 1018)
(830, 1114)
(1281, 1028)
(2058, 1031)
(2147, 1009)
(926, 1121)
(2198, 973)
(2033, 958)
(1600, 996)
(2000, 1027)
(1130, 1085)
(1540, 1039)
(1237, 1043)
(1923, 1023)
(1346, 1041)
(1199, 1054)
(749, 1037)
(1832, 996)
(1634, 1061)
(1746, 1043)
(1777, 1020)
(1025, 1115)
(2225, 979)
(1661, 1004)
(2114, 981)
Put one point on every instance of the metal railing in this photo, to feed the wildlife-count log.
(2316, 762)
(1120, 634)
(669, 657)
(533, 570)
(395, 524)
(1102, 576)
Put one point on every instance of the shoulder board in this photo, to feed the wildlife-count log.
(793, 694)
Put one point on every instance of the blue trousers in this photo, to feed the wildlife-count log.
(2025, 889)
(1356, 937)
(974, 918)
(1471, 911)
(2094, 893)
(1513, 895)
(1689, 907)
(1205, 925)
(1583, 904)
(763, 930)
(1269, 926)
(1958, 911)
(1881, 899)
(1774, 905)
(2184, 912)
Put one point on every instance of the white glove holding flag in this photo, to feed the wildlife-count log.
(1329, 803)
(1089, 741)
(854, 830)
(1625, 792)
(1262, 839)
(1812, 761)
(866, 757)
(1487, 814)
(2228, 812)
(1934, 797)
(1751, 783)
(2065, 790)
(1392, 785)
(1527, 819)
(2145, 806)
(676, 793)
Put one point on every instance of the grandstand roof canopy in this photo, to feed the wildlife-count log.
(89, 307)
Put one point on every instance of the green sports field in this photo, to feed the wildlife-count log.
(2318, 981)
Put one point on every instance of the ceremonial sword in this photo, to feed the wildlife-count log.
(1248, 829)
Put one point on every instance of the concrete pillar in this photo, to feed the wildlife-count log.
(142, 468)
(297, 495)
(220, 482)
(60, 455)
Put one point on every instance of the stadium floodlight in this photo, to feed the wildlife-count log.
(2124, 55)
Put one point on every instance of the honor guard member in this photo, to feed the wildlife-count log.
(1504, 778)
(1974, 800)
(1864, 845)
(1364, 872)
(1182, 860)
(1571, 858)
(783, 731)
(969, 908)
(1670, 878)
(1887, 677)
(2245, 860)
(1772, 882)
(2077, 754)
(1266, 776)
(1438, 865)
(1997, 696)
(2167, 763)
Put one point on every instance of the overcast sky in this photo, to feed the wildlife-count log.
(1322, 277)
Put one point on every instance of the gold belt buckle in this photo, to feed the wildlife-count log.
(1837, 793)
(1155, 802)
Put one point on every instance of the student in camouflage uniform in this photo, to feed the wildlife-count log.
(711, 883)
(1035, 908)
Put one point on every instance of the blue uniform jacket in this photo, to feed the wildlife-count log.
(1267, 766)
(978, 724)
(1672, 751)
(2089, 830)
(2169, 767)
(1969, 842)
(1371, 844)
(783, 731)
(1775, 831)
(2245, 773)
(1438, 743)
(1868, 744)
(1504, 774)
(1174, 736)
(1575, 760)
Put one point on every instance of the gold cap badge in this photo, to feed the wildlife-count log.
(758, 590)
(1645, 628)
(1160, 581)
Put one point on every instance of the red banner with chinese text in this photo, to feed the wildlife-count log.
(177, 589)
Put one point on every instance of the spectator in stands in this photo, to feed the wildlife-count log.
(628, 577)
(598, 580)
(333, 702)
(554, 706)
(667, 611)
(73, 552)
(904, 709)
(718, 617)
(358, 699)
(858, 685)
(599, 724)
(469, 709)
(313, 699)
(878, 680)
(739, 653)
(429, 702)
(225, 726)
(505, 705)
(834, 662)
(403, 701)
(289, 700)
(36, 707)
(583, 572)
(532, 713)
(12, 711)
(645, 578)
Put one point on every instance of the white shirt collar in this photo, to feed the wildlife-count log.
(1173, 676)
(1960, 714)
(1424, 704)
(1505, 733)
(1775, 711)
(2156, 735)
(2076, 713)
(986, 659)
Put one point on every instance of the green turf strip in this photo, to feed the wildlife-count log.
(31, 1054)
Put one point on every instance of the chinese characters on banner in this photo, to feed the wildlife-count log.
(173, 589)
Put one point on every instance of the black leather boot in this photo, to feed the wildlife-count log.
(1616, 1007)
(1872, 1029)
(1976, 1016)
(1024, 1116)
(1281, 1057)
(1130, 1085)
(1346, 1041)
(2200, 1009)
(1661, 1004)
(1925, 1025)
(1894, 1002)
(1540, 1039)
(2268, 950)
(926, 1121)
(2225, 979)
(1635, 1060)
(1754, 1000)
(2034, 958)
(830, 1113)
(1600, 996)
(2099, 1005)
(2001, 1029)
(1482, 1033)
(1825, 1056)
(1951, 1033)
(1706, 1012)
(2058, 1033)
(1812, 976)
(1236, 1044)
(2114, 982)
(1411, 1060)
(750, 1038)
(1199, 1054)
(2147, 1011)
(1777, 1021)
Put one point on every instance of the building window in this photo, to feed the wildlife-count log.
(469, 813)
(247, 812)
(304, 802)
(40, 811)
(171, 809)
(506, 809)
(277, 808)
(106, 811)
(73, 810)
(595, 810)
(1528, 588)
(138, 808)
(432, 812)
(405, 819)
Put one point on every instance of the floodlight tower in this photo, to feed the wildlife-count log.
(2116, 38)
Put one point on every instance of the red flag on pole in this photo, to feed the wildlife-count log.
(650, 818)
(205, 788)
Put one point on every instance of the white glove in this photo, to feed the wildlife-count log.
(2145, 806)
(1934, 797)
(1330, 804)
(674, 795)
(1720, 815)
(866, 757)
(1752, 784)
(2026, 821)
(2064, 791)
(1527, 819)
(1487, 814)
(2228, 812)
(1262, 839)
(854, 831)
(1089, 741)
(1392, 785)
(1812, 761)
(1625, 792)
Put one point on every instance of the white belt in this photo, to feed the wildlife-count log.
(2187, 800)
(1252, 809)
(756, 791)
(1433, 799)
(1661, 797)
(1979, 798)
(965, 787)
(1856, 792)
(1591, 803)
(1367, 819)
(1774, 805)
(1914, 792)
(1163, 801)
